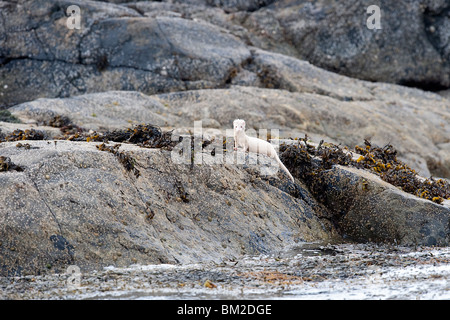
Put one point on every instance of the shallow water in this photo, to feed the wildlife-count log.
(307, 271)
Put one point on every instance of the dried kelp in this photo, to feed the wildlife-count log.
(66, 126)
(144, 135)
(382, 161)
(28, 134)
(6, 165)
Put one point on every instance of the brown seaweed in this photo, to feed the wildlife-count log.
(379, 160)
(383, 161)
(144, 135)
(6, 165)
(28, 134)
(126, 160)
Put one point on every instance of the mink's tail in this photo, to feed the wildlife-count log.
(285, 169)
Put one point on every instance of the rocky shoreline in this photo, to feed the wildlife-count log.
(90, 119)
(95, 204)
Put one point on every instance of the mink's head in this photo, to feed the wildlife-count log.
(239, 125)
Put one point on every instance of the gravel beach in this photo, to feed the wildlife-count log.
(308, 271)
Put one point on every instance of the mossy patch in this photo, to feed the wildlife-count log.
(6, 116)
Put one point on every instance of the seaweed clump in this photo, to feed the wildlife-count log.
(299, 158)
(28, 134)
(302, 153)
(65, 125)
(127, 161)
(144, 135)
(306, 161)
(6, 164)
(383, 161)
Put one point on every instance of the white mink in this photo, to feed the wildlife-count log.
(251, 144)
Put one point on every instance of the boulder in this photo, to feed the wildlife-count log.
(411, 48)
(73, 204)
(156, 47)
(116, 48)
(368, 209)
